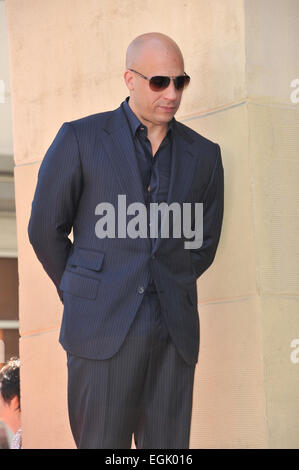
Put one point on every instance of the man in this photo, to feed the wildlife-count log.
(130, 323)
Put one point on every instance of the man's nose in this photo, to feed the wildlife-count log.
(171, 92)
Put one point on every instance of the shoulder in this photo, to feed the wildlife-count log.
(207, 152)
(93, 118)
(92, 121)
(204, 149)
(196, 138)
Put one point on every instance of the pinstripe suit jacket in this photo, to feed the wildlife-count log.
(101, 281)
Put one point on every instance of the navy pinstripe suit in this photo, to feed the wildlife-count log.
(115, 333)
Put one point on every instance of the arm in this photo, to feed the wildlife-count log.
(55, 202)
(213, 202)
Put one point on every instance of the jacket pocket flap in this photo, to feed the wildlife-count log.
(89, 259)
(78, 285)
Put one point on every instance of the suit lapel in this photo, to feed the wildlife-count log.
(122, 156)
(120, 149)
(183, 164)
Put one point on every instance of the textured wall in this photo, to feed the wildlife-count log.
(66, 62)
(6, 143)
(272, 64)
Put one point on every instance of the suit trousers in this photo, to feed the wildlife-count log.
(145, 389)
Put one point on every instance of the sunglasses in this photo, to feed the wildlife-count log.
(159, 83)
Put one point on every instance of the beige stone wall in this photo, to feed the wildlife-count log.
(272, 64)
(67, 60)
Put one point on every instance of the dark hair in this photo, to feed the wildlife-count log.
(10, 380)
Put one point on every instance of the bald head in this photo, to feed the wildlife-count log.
(153, 55)
(149, 44)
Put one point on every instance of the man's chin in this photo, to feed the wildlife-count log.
(165, 117)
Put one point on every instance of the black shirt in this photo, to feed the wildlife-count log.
(154, 170)
(160, 164)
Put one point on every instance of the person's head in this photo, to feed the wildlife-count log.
(153, 54)
(10, 394)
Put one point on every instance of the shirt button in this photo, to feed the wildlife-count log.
(140, 290)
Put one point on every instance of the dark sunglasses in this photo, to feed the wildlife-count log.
(159, 83)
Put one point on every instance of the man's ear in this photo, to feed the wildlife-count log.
(129, 79)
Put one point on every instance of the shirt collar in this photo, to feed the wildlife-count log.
(135, 123)
(132, 118)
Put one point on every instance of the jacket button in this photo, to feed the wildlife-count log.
(140, 289)
(153, 256)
